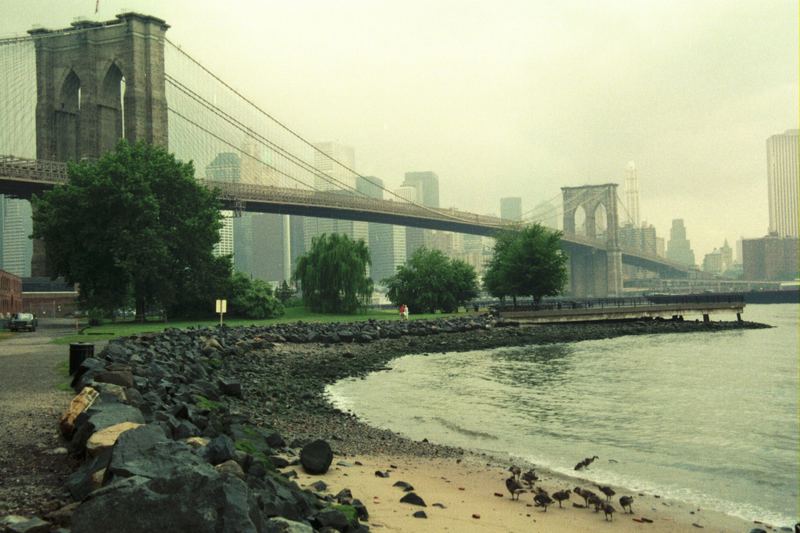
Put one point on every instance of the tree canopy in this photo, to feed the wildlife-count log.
(132, 225)
(430, 281)
(526, 262)
(333, 274)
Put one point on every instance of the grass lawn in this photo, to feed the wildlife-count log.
(292, 314)
(5, 335)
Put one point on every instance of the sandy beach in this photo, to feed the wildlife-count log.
(474, 499)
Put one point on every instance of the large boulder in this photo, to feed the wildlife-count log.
(316, 457)
(147, 452)
(189, 500)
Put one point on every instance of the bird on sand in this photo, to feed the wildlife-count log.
(595, 500)
(608, 491)
(560, 496)
(585, 494)
(530, 478)
(514, 487)
(542, 500)
(608, 510)
(626, 501)
(515, 471)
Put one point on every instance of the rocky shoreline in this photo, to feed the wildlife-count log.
(192, 426)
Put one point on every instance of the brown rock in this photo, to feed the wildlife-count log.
(230, 467)
(79, 404)
(105, 438)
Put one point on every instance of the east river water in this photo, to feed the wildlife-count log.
(707, 418)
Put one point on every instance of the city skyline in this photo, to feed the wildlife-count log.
(690, 92)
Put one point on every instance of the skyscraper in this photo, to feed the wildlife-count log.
(426, 183)
(226, 167)
(16, 248)
(782, 183)
(511, 208)
(679, 249)
(632, 194)
(334, 160)
(387, 242)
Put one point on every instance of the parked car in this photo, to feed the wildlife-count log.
(22, 321)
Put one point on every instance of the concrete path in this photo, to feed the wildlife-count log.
(31, 479)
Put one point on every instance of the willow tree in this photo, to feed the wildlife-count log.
(333, 274)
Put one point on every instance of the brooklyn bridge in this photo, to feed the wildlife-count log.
(72, 93)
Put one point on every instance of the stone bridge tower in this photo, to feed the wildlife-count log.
(98, 82)
(594, 272)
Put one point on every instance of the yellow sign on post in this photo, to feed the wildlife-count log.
(222, 308)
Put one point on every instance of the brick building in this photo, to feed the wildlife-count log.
(10, 293)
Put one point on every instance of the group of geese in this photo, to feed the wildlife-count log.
(541, 498)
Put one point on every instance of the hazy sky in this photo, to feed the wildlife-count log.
(513, 98)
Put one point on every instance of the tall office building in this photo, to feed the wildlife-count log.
(426, 183)
(334, 160)
(511, 208)
(632, 194)
(257, 241)
(782, 178)
(16, 247)
(679, 249)
(225, 167)
(387, 242)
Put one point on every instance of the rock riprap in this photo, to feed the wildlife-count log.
(185, 431)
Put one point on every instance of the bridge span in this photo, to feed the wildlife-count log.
(22, 178)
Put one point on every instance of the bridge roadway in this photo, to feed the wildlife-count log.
(22, 178)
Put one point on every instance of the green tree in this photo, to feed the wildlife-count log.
(333, 274)
(253, 298)
(430, 282)
(527, 262)
(132, 225)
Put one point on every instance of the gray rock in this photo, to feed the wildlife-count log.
(219, 450)
(329, 517)
(146, 452)
(282, 525)
(219, 504)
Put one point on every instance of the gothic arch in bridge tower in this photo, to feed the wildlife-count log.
(110, 108)
(119, 69)
(67, 117)
(593, 272)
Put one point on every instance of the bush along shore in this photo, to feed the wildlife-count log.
(201, 429)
